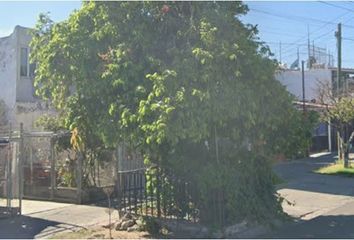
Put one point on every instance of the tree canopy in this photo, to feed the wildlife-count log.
(186, 83)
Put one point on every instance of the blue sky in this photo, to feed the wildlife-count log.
(285, 22)
(25, 13)
(288, 22)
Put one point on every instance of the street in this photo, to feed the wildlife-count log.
(323, 205)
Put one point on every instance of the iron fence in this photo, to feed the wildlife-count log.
(156, 192)
(10, 187)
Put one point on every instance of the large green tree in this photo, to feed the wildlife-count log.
(187, 83)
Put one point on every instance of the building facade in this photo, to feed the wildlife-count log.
(16, 80)
(324, 137)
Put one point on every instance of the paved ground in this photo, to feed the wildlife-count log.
(323, 205)
(41, 219)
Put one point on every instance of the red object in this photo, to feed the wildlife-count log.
(165, 9)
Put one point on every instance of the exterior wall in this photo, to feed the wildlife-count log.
(18, 91)
(28, 112)
(8, 73)
(292, 80)
(24, 86)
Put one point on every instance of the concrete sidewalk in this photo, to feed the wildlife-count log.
(41, 219)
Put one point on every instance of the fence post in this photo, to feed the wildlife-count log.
(79, 178)
(119, 177)
(158, 200)
(9, 173)
(52, 169)
(20, 166)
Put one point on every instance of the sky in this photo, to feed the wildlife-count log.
(279, 21)
(25, 13)
(289, 22)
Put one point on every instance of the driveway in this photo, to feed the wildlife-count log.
(323, 205)
(41, 219)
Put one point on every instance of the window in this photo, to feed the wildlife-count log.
(24, 62)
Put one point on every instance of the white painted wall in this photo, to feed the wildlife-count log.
(293, 81)
(24, 86)
(8, 73)
(18, 91)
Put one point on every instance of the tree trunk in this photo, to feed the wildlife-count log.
(347, 150)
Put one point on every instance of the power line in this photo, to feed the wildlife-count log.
(292, 46)
(279, 33)
(294, 54)
(323, 27)
(322, 35)
(285, 43)
(297, 18)
(348, 39)
(336, 6)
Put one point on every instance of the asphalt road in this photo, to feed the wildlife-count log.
(323, 205)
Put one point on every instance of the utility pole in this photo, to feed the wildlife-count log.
(338, 35)
(343, 150)
(313, 50)
(303, 86)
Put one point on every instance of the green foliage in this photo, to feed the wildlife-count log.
(337, 169)
(150, 225)
(187, 83)
(299, 128)
(49, 122)
(276, 180)
(342, 111)
(339, 111)
(66, 175)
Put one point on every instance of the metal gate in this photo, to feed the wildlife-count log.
(10, 175)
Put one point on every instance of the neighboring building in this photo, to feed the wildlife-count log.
(324, 137)
(16, 80)
(292, 79)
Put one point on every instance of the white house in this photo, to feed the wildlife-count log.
(16, 80)
(292, 80)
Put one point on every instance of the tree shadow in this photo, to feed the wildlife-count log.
(300, 175)
(324, 227)
(25, 227)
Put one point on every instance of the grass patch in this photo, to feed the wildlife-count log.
(337, 169)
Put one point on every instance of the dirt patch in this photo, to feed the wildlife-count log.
(101, 233)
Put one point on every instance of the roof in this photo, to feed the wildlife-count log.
(313, 105)
(343, 69)
(17, 27)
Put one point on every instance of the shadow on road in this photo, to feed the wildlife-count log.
(24, 227)
(299, 175)
(320, 227)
